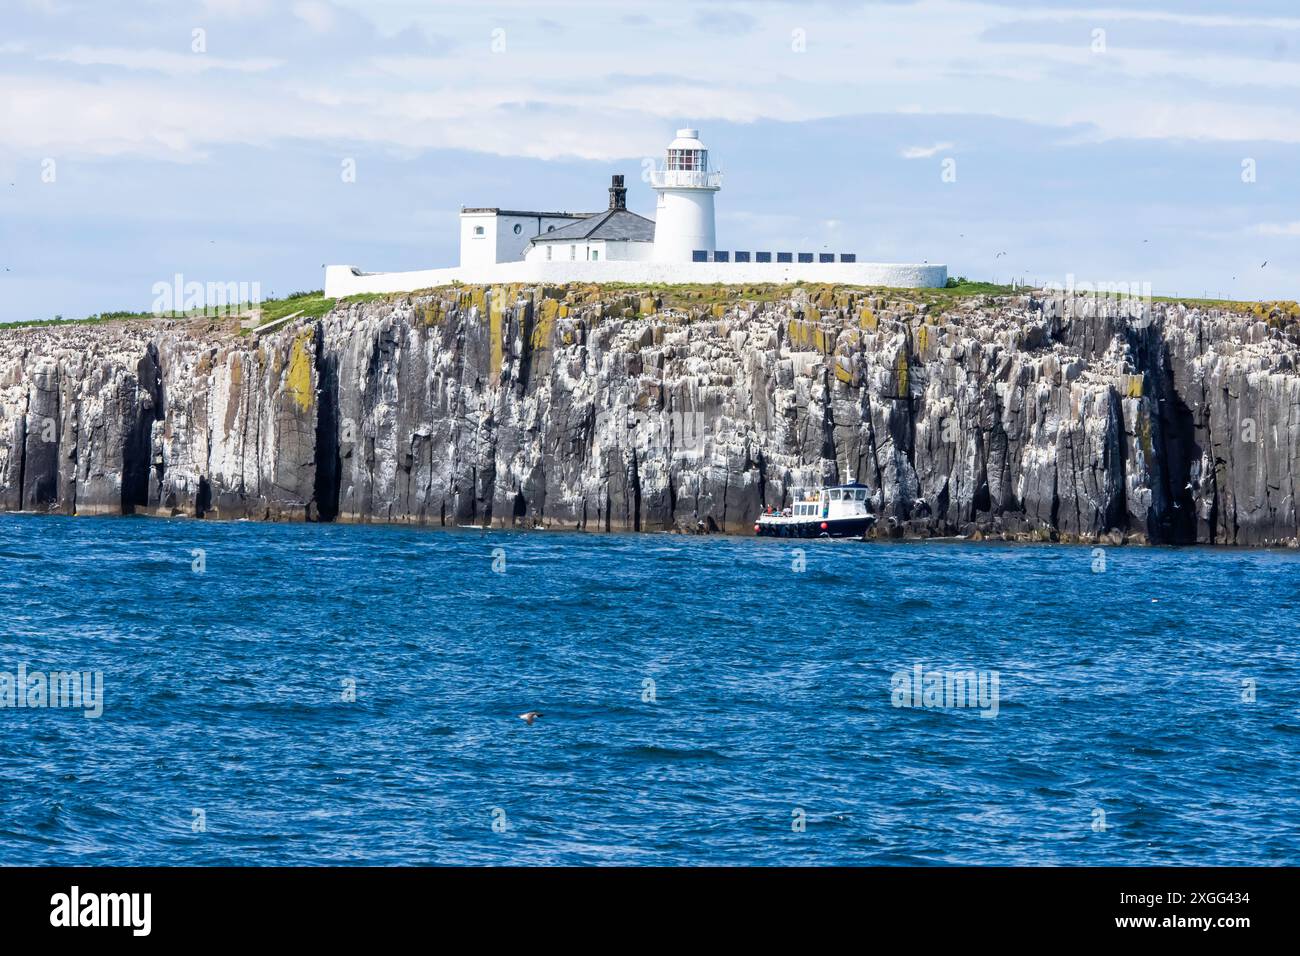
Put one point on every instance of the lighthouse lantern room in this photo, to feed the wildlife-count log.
(684, 216)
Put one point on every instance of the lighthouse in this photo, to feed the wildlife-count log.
(684, 216)
(616, 245)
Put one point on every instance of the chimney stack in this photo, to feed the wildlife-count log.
(617, 193)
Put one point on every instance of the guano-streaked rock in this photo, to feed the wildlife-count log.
(1032, 417)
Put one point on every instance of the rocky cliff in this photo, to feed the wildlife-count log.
(1034, 416)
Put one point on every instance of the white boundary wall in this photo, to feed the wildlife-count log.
(343, 281)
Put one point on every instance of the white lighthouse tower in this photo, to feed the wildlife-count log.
(684, 218)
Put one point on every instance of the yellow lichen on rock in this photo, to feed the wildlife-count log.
(544, 325)
(495, 322)
(298, 381)
(804, 336)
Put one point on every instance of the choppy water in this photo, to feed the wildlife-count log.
(1120, 692)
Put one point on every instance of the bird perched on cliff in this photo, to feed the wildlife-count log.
(529, 717)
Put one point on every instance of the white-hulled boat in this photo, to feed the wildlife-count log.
(840, 511)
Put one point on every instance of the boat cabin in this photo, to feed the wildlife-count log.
(839, 501)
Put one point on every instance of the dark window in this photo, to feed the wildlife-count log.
(785, 257)
(762, 257)
(805, 257)
(721, 257)
(699, 255)
(688, 159)
(848, 257)
(825, 257)
(742, 256)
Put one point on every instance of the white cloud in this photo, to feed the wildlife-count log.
(925, 152)
(319, 16)
(161, 61)
(1093, 15)
(930, 59)
(1290, 230)
(237, 9)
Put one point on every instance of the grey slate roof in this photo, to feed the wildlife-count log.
(528, 213)
(612, 224)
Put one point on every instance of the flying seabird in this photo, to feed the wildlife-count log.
(529, 717)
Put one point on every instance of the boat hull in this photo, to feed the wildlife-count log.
(854, 527)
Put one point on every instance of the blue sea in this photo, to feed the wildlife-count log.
(329, 694)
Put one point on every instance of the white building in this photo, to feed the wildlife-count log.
(617, 234)
(489, 236)
(617, 245)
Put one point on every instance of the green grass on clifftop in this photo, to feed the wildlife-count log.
(312, 305)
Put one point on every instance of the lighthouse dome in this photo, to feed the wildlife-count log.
(687, 139)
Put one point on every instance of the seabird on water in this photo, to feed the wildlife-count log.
(529, 717)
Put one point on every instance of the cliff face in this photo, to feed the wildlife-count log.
(1025, 417)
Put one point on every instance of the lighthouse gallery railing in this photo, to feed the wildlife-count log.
(685, 178)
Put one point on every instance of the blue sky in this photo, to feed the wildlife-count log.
(1106, 141)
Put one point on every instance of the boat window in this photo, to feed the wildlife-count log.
(860, 494)
(835, 495)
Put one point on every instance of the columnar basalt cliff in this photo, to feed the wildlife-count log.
(1033, 417)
